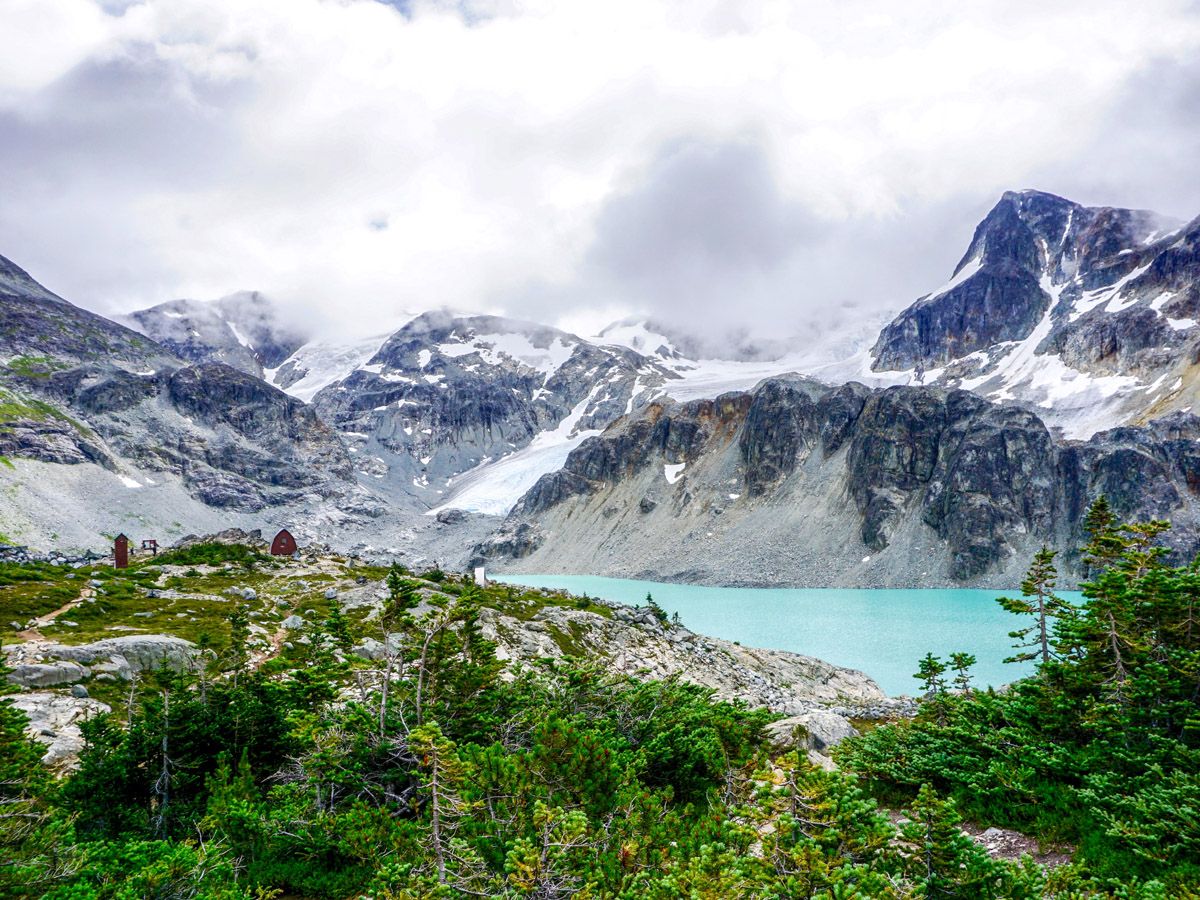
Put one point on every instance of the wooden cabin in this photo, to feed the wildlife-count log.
(284, 544)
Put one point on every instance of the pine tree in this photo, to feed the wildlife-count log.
(940, 858)
(1040, 601)
(961, 663)
(929, 672)
(659, 612)
(337, 627)
(31, 857)
(1105, 544)
(443, 774)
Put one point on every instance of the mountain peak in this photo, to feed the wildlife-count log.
(246, 329)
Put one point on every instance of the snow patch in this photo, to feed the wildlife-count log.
(673, 471)
(969, 268)
(493, 488)
(324, 363)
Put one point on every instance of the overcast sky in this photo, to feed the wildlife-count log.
(786, 167)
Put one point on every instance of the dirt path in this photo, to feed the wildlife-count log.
(33, 634)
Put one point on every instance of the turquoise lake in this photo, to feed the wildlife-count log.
(882, 632)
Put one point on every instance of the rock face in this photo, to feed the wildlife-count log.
(1090, 313)
(798, 483)
(445, 394)
(816, 731)
(42, 664)
(47, 674)
(54, 721)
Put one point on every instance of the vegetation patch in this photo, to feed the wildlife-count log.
(211, 554)
(34, 366)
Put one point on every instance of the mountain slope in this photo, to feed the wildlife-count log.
(802, 484)
(91, 411)
(1087, 314)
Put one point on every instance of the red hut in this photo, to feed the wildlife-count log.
(121, 552)
(284, 544)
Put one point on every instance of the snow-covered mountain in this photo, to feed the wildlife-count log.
(468, 411)
(1087, 315)
(245, 330)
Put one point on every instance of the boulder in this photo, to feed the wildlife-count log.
(54, 720)
(47, 674)
(817, 729)
(139, 652)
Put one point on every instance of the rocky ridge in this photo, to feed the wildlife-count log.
(445, 394)
(247, 331)
(78, 391)
(797, 483)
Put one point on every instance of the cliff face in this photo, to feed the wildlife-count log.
(247, 331)
(797, 483)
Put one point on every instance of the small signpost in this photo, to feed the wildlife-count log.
(152, 545)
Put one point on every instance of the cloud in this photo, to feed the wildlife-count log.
(768, 166)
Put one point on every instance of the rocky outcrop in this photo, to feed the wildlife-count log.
(804, 484)
(54, 720)
(816, 732)
(632, 642)
(76, 388)
(1032, 249)
(246, 330)
(43, 664)
(47, 674)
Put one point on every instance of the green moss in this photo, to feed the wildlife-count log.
(14, 408)
(34, 366)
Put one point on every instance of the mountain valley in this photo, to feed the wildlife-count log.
(1058, 363)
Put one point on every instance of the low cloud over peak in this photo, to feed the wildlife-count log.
(766, 167)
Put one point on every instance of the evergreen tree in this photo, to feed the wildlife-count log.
(940, 859)
(1038, 600)
(930, 672)
(961, 663)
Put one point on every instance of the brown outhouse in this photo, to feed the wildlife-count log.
(121, 552)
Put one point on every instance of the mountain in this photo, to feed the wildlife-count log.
(1086, 314)
(246, 330)
(798, 483)
(446, 394)
(104, 429)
